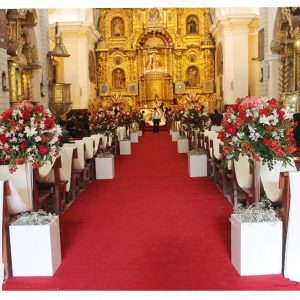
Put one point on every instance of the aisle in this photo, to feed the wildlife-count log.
(151, 228)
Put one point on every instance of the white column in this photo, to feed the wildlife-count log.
(78, 38)
(233, 33)
(4, 95)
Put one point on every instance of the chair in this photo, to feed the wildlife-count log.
(53, 183)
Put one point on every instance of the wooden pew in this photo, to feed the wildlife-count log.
(56, 187)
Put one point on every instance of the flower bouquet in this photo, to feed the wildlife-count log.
(194, 119)
(259, 128)
(28, 133)
(103, 122)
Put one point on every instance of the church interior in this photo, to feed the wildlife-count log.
(92, 78)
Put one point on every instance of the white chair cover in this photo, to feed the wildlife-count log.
(65, 171)
(46, 172)
(292, 246)
(96, 138)
(270, 179)
(216, 147)
(242, 169)
(89, 147)
(78, 162)
(20, 186)
(211, 136)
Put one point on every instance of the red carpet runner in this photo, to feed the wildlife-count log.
(151, 228)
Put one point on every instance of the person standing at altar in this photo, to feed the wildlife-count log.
(156, 119)
(142, 121)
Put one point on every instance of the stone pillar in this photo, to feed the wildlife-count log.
(79, 38)
(232, 32)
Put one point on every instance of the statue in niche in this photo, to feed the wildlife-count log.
(192, 25)
(192, 76)
(153, 62)
(154, 15)
(117, 27)
(119, 79)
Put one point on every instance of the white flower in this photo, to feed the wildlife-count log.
(37, 138)
(264, 120)
(240, 134)
(30, 131)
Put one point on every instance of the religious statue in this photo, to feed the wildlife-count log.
(154, 15)
(153, 62)
(192, 76)
(192, 26)
(119, 79)
(117, 27)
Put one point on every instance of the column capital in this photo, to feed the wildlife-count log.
(231, 23)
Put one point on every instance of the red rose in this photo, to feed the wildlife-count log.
(268, 142)
(6, 114)
(39, 108)
(43, 150)
(26, 115)
(265, 112)
(35, 164)
(243, 116)
(221, 135)
(281, 114)
(3, 138)
(23, 146)
(49, 123)
(231, 130)
(272, 101)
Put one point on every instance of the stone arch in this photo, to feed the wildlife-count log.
(192, 25)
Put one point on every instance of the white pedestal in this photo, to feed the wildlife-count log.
(197, 165)
(125, 147)
(182, 145)
(170, 131)
(175, 135)
(105, 167)
(35, 249)
(140, 133)
(134, 138)
(256, 248)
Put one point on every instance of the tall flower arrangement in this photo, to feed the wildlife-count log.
(259, 128)
(177, 114)
(124, 118)
(194, 119)
(28, 133)
(103, 122)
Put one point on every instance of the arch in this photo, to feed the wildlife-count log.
(117, 27)
(192, 76)
(192, 25)
(118, 78)
(163, 35)
(219, 59)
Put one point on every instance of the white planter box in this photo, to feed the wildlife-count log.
(182, 145)
(197, 165)
(170, 131)
(134, 138)
(175, 135)
(35, 249)
(125, 147)
(140, 133)
(105, 167)
(256, 248)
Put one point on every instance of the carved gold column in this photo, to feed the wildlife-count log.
(12, 83)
